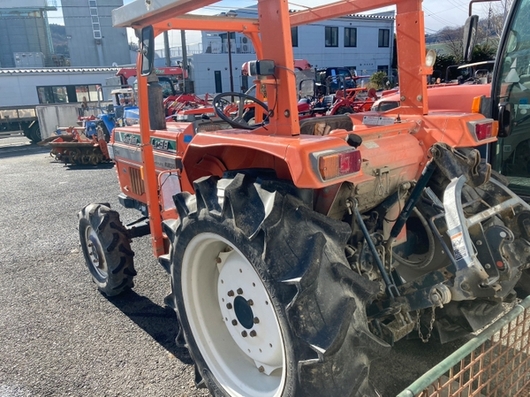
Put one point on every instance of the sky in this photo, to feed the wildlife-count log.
(438, 14)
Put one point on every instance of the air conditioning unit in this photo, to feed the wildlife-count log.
(245, 45)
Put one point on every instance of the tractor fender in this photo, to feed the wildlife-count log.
(292, 158)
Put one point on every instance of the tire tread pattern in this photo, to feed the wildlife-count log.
(116, 245)
(303, 252)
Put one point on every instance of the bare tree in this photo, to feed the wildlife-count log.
(497, 16)
(488, 33)
(452, 39)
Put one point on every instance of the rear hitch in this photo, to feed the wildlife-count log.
(391, 287)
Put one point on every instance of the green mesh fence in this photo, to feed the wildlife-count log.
(496, 363)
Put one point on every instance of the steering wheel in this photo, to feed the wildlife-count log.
(224, 108)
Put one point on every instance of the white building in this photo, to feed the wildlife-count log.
(92, 40)
(37, 86)
(363, 43)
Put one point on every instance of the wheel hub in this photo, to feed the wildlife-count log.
(247, 311)
(243, 312)
(95, 253)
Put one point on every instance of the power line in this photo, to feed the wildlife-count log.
(460, 6)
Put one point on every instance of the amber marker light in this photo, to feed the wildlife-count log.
(475, 105)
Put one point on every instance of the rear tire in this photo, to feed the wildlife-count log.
(33, 133)
(106, 249)
(267, 303)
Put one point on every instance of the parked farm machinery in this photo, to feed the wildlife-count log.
(301, 250)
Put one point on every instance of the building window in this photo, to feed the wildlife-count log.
(67, 93)
(332, 36)
(97, 34)
(92, 3)
(384, 38)
(294, 36)
(350, 37)
(56, 94)
(94, 11)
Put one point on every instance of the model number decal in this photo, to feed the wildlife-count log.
(163, 145)
(130, 139)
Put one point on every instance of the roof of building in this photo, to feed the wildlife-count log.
(390, 15)
(56, 70)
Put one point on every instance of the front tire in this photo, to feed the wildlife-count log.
(106, 249)
(267, 303)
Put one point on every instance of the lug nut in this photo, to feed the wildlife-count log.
(218, 260)
(244, 334)
(261, 369)
(239, 291)
(234, 322)
(256, 320)
(250, 302)
(229, 306)
(230, 293)
(253, 333)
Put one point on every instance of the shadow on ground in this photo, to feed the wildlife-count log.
(22, 150)
(159, 322)
(80, 167)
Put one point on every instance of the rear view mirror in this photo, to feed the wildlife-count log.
(470, 36)
(147, 49)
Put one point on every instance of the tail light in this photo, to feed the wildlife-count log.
(484, 129)
(336, 164)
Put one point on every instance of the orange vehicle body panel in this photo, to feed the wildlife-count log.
(279, 145)
(448, 98)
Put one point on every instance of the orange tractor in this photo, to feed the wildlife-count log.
(298, 251)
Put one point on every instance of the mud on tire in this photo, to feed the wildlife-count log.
(106, 249)
(266, 301)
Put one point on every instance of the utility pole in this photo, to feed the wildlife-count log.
(185, 85)
(231, 74)
(166, 48)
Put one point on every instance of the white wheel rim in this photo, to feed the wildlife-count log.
(232, 319)
(95, 253)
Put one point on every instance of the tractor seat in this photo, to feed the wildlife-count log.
(323, 125)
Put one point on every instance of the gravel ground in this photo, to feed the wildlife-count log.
(60, 337)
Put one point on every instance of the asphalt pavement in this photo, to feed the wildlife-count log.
(60, 337)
